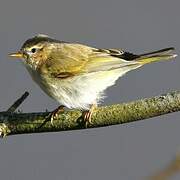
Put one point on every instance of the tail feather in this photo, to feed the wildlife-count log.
(163, 54)
(162, 51)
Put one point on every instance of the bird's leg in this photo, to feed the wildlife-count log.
(52, 115)
(86, 115)
(55, 113)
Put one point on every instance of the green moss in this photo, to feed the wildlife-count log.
(102, 116)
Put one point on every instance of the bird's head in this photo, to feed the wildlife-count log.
(36, 50)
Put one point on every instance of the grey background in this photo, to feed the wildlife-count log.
(128, 152)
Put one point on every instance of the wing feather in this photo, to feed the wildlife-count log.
(71, 58)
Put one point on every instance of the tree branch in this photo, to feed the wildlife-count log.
(18, 102)
(22, 123)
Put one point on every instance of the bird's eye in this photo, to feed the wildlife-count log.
(33, 50)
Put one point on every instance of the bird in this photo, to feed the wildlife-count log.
(77, 75)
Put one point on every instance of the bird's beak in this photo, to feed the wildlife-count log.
(17, 55)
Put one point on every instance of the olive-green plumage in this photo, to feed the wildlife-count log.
(76, 75)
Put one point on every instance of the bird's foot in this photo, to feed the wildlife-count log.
(52, 116)
(86, 118)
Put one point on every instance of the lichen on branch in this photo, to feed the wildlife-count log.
(23, 123)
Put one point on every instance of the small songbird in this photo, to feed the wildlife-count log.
(77, 75)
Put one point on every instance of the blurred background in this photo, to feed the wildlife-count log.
(130, 151)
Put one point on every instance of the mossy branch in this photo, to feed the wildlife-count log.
(21, 123)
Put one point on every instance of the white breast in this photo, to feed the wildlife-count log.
(79, 91)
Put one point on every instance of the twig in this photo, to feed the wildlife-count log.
(18, 102)
(169, 171)
(103, 116)
(4, 130)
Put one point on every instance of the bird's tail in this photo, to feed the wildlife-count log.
(163, 54)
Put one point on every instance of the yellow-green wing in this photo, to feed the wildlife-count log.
(69, 59)
(109, 59)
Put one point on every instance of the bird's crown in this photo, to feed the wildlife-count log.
(39, 39)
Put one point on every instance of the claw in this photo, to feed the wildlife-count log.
(53, 115)
(87, 115)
